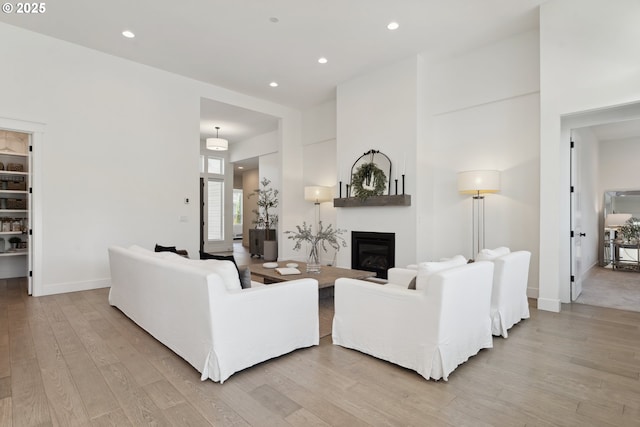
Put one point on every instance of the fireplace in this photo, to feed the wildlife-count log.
(371, 251)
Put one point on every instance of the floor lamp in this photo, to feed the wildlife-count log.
(478, 183)
(317, 195)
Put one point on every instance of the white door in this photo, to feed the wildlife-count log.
(576, 222)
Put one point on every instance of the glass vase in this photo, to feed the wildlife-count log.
(313, 260)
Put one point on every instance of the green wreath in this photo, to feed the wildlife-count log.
(366, 174)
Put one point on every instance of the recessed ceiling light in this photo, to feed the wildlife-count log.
(322, 60)
(273, 84)
(240, 167)
(393, 25)
(128, 34)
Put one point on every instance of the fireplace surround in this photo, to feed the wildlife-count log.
(373, 251)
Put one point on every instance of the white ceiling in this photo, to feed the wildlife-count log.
(234, 44)
(236, 123)
(617, 130)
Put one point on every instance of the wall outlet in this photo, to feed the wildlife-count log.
(183, 218)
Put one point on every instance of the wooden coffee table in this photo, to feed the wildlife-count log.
(326, 278)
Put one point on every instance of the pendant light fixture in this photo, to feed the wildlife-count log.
(217, 144)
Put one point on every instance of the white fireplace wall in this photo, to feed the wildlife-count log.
(379, 111)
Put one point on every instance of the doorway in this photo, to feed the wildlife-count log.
(607, 142)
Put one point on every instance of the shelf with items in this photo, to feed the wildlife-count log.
(20, 252)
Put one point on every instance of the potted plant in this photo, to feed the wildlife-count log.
(329, 236)
(266, 218)
(630, 231)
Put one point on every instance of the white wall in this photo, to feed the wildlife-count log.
(119, 154)
(589, 61)
(320, 164)
(379, 111)
(319, 161)
(619, 165)
(259, 145)
(483, 113)
(250, 182)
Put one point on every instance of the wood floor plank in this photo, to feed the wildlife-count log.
(632, 374)
(140, 367)
(116, 418)
(201, 395)
(163, 394)
(6, 419)
(30, 405)
(63, 397)
(304, 418)
(185, 415)
(5, 361)
(5, 388)
(275, 401)
(135, 402)
(96, 395)
(317, 405)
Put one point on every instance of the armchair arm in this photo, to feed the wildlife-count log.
(368, 311)
(401, 276)
(256, 324)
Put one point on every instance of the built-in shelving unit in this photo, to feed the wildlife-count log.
(14, 202)
(352, 202)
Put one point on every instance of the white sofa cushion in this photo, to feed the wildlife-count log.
(426, 269)
(491, 254)
(225, 269)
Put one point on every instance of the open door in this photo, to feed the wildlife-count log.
(576, 223)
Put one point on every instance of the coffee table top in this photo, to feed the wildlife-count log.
(325, 278)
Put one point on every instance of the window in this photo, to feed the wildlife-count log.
(237, 207)
(215, 211)
(214, 165)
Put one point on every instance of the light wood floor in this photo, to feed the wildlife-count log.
(74, 360)
(605, 287)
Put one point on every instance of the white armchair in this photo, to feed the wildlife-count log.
(430, 330)
(509, 302)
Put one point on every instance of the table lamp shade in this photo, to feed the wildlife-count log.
(317, 194)
(479, 182)
(616, 220)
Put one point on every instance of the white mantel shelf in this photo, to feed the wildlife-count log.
(353, 202)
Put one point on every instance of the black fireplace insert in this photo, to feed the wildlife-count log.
(371, 251)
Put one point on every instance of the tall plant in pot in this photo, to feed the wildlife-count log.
(266, 217)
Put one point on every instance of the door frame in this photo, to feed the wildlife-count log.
(34, 258)
(599, 116)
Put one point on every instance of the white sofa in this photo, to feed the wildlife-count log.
(431, 330)
(509, 303)
(197, 310)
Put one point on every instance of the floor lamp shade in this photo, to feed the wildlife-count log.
(317, 194)
(479, 182)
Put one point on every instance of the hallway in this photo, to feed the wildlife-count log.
(604, 287)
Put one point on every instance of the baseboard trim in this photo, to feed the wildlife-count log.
(533, 293)
(62, 288)
(547, 304)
